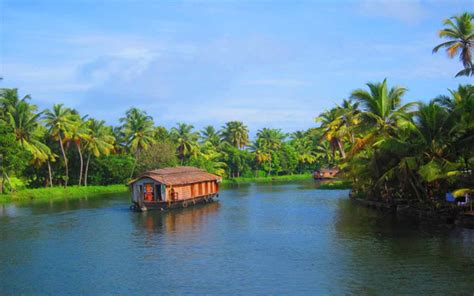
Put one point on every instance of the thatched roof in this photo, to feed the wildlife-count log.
(178, 176)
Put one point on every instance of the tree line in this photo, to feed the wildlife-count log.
(58, 146)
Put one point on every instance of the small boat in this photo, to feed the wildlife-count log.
(324, 174)
(177, 187)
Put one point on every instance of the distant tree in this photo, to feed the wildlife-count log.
(60, 121)
(138, 132)
(161, 134)
(210, 135)
(13, 159)
(270, 140)
(186, 140)
(236, 133)
(80, 134)
(23, 119)
(100, 142)
(158, 155)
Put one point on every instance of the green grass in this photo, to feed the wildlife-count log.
(335, 184)
(270, 179)
(57, 193)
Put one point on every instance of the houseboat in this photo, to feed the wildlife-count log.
(177, 187)
(323, 174)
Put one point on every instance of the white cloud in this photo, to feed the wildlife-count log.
(407, 11)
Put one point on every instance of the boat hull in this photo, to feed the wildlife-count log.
(176, 204)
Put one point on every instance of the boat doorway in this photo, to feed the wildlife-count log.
(160, 192)
(148, 193)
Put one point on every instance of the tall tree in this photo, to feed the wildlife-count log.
(79, 135)
(459, 31)
(185, 139)
(23, 119)
(138, 132)
(331, 125)
(100, 142)
(270, 140)
(210, 135)
(60, 121)
(382, 111)
(236, 133)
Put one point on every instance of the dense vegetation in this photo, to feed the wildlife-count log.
(389, 150)
(61, 147)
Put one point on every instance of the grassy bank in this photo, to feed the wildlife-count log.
(60, 192)
(267, 179)
(336, 184)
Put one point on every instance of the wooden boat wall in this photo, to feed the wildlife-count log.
(173, 188)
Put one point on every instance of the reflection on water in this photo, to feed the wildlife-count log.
(175, 221)
(258, 239)
(401, 254)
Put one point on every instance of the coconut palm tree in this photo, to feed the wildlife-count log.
(261, 153)
(304, 148)
(462, 95)
(324, 154)
(382, 112)
(185, 139)
(100, 142)
(210, 135)
(270, 140)
(349, 114)
(9, 99)
(331, 126)
(236, 133)
(60, 121)
(138, 131)
(209, 159)
(24, 121)
(459, 31)
(21, 117)
(80, 135)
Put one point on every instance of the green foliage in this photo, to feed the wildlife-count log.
(335, 185)
(186, 141)
(112, 169)
(159, 155)
(236, 134)
(267, 179)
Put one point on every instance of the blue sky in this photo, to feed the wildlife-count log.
(267, 63)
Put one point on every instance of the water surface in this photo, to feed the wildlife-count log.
(259, 239)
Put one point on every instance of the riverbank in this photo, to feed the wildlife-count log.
(268, 179)
(335, 185)
(448, 214)
(56, 193)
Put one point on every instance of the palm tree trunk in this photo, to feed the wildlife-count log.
(50, 174)
(341, 149)
(135, 163)
(81, 160)
(86, 173)
(65, 160)
(2, 185)
(5, 177)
